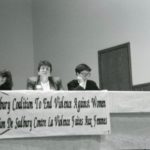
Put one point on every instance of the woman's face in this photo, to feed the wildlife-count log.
(44, 71)
(83, 75)
(2, 80)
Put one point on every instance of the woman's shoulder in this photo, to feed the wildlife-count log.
(33, 79)
(56, 79)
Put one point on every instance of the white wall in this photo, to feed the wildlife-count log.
(16, 41)
(68, 32)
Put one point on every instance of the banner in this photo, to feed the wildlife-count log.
(57, 113)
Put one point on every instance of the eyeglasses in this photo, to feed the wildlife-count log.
(85, 74)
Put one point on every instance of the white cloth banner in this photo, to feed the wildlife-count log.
(57, 113)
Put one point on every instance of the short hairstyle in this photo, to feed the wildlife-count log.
(45, 63)
(81, 67)
(8, 83)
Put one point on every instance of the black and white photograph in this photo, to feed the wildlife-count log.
(73, 75)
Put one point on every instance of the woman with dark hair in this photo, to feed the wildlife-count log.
(44, 81)
(83, 72)
(6, 82)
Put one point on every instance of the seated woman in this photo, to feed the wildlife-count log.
(82, 82)
(6, 82)
(44, 81)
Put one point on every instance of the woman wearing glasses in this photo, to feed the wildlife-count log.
(82, 82)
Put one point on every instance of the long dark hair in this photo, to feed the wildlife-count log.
(8, 84)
